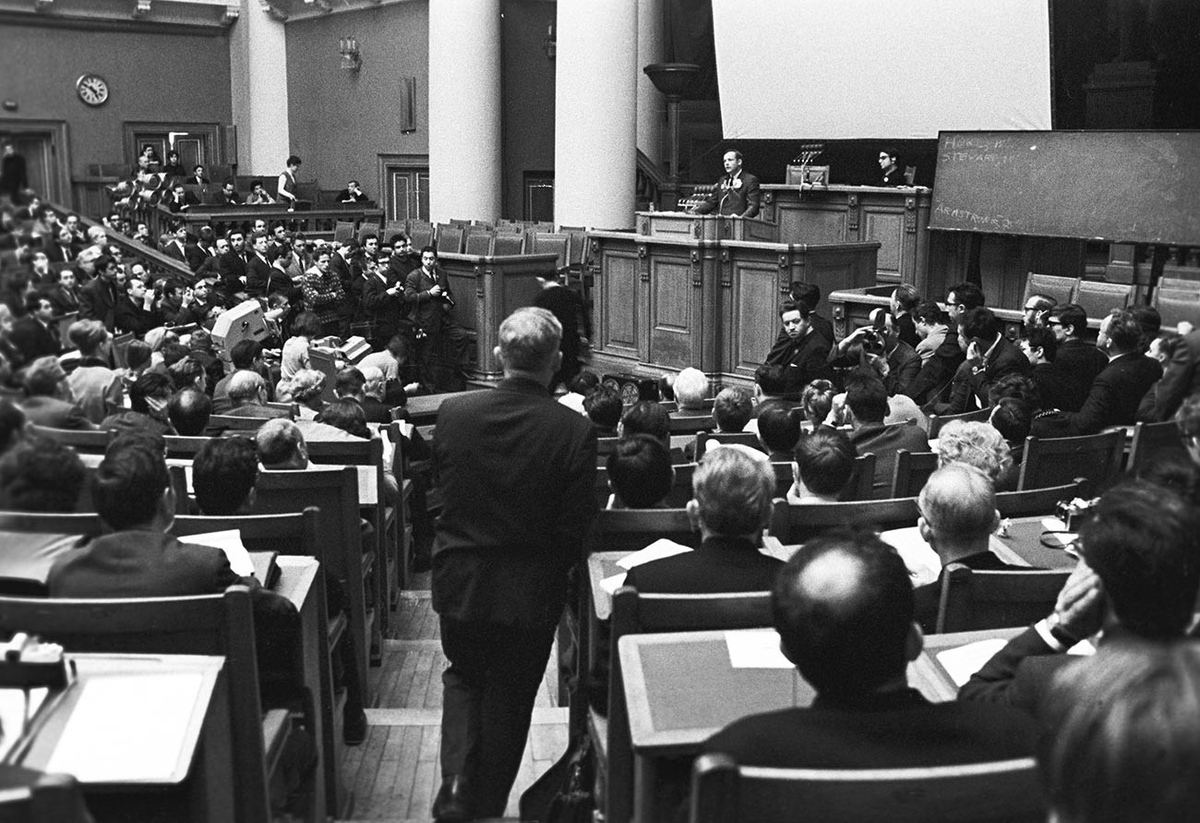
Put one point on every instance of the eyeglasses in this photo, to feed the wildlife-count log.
(1054, 322)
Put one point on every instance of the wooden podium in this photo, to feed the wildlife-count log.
(684, 291)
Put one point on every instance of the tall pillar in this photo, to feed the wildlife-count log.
(595, 113)
(651, 107)
(464, 110)
(258, 73)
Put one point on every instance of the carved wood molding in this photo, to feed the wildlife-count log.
(785, 272)
(910, 215)
(480, 273)
(273, 11)
(643, 263)
(644, 225)
(697, 277)
(726, 269)
(852, 217)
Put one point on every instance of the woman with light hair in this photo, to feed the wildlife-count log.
(979, 445)
(305, 387)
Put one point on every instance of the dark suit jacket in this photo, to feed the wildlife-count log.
(233, 269)
(135, 318)
(1004, 359)
(98, 301)
(60, 254)
(1181, 378)
(140, 564)
(65, 301)
(1114, 398)
(385, 309)
(908, 329)
(258, 276)
(883, 442)
(1057, 389)
(904, 364)
(427, 310)
(376, 411)
(803, 359)
(517, 472)
(54, 413)
(738, 197)
(1081, 362)
(720, 564)
(33, 339)
(885, 731)
(937, 372)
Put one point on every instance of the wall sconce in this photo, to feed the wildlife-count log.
(549, 44)
(351, 59)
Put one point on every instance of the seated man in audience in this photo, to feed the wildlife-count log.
(691, 389)
(778, 430)
(248, 396)
(823, 465)
(1012, 419)
(34, 335)
(1188, 421)
(134, 311)
(224, 472)
(1037, 312)
(1078, 359)
(866, 405)
(187, 373)
(1119, 388)
(1044, 421)
(809, 294)
(373, 400)
(649, 417)
(12, 425)
(1181, 376)
(879, 343)
(246, 355)
(1126, 736)
(50, 402)
(603, 407)
(732, 409)
(97, 388)
(732, 491)
(989, 357)
(844, 612)
(281, 446)
(189, 411)
(1137, 580)
(803, 354)
(639, 473)
(904, 300)
(41, 475)
(579, 387)
(1057, 389)
(939, 352)
(958, 518)
(149, 398)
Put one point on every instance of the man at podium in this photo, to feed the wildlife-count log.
(735, 195)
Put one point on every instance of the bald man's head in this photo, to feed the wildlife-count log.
(958, 509)
(843, 607)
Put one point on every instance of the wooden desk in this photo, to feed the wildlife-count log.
(680, 689)
(192, 787)
(300, 582)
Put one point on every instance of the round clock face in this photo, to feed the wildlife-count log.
(92, 89)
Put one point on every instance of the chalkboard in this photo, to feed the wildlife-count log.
(1121, 186)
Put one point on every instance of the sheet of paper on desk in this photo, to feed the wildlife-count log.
(12, 715)
(756, 650)
(655, 551)
(964, 661)
(230, 542)
(923, 564)
(611, 584)
(129, 729)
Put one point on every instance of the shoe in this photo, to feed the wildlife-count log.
(354, 729)
(451, 804)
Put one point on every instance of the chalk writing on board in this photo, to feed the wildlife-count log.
(975, 220)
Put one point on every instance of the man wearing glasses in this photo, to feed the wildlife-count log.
(1076, 358)
(1037, 311)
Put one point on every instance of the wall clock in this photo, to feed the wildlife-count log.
(92, 89)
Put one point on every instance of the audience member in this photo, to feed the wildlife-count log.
(1057, 390)
(97, 389)
(1119, 388)
(1188, 421)
(732, 409)
(33, 334)
(39, 474)
(809, 294)
(823, 465)
(817, 401)
(578, 387)
(49, 402)
(1037, 312)
(188, 373)
(639, 473)
(904, 301)
(979, 445)
(803, 354)
(248, 396)
(246, 355)
(1181, 377)
(603, 407)
(843, 608)
(1137, 579)
(691, 389)
(732, 492)
(1011, 417)
(778, 430)
(347, 415)
(867, 405)
(989, 357)
(1125, 744)
(224, 472)
(12, 424)
(939, 352)
(306, 388)
(149, 397)
(281, 445)
(1076, 358)
(647, 417)
(189, 410)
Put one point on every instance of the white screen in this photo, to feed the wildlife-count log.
(897, 69)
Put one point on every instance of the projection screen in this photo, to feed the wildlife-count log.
(843, 69)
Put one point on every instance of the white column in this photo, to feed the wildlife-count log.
(651, 105)
(595, 113)
(258, 74)
(464, 110)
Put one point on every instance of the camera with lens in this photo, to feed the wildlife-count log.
(872, 342)
(1074, 512)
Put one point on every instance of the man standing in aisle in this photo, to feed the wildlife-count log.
(516, 471)
(441, 343)
(736, 194)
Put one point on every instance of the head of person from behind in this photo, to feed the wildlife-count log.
(794, 317)
(732, 491)
(844, 610)
(732, 162)
(529, 344)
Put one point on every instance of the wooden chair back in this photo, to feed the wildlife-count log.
(936, 421)
(343, 230)
(421, 235)
(911, 472)
(1178, 305)
(179, 446)
(1155, 442)
(725, 438)
(636, 613)
(551, 243)
(691, 422)
(797, 522)
(508, 243)
(785, 476)
(1037, 501)
(1002, 790)
(1059, 289)
(974, 600)
(677, 497)
(1098, 299)
(283, 533)
(1058, 460)
(235, 422)
(633, 529)
(88, 524)
(449, 240)
(861, 485)
(333, 491)
(214, 624)
(480, 243)
(88, 442)
(120, 344)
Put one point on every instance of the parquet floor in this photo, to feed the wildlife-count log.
(394, 775)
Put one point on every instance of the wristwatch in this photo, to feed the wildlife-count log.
(1055, 627)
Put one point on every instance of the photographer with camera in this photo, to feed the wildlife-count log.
(441, 342)
(136, 311)
(879, 345)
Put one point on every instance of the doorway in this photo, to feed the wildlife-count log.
(43, 144)
(197, 143)
(404, 187)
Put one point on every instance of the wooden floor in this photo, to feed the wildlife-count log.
(394, 775)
